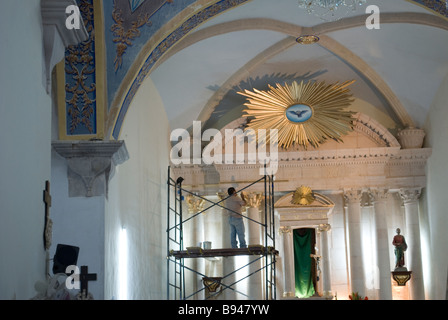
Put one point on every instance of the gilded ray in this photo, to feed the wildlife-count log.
(305, 113)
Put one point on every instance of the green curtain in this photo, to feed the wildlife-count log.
(302, 263)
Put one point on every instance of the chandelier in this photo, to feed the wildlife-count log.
(330, 10)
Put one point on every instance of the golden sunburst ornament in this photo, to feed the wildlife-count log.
(303, 196)
(305, 113)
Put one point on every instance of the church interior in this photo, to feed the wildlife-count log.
(124, 124)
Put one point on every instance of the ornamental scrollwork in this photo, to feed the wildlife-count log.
(122, 37)
(80, 87)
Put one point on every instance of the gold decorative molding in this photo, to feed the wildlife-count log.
(252, 199)
(305, 113)
(212, 284)
(401, 277)
(122, 37)
(81, 92)
(222, 195)
(194, 203)
(303, 196)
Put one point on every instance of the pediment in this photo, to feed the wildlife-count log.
(320, 201)
(308, 215)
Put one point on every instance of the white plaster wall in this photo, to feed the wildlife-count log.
(434, 208)
(137, 200)
(25, 122)
(77, 221)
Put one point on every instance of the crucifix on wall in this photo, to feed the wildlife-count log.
(84, 278)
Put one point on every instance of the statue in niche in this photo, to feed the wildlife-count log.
(400, 245)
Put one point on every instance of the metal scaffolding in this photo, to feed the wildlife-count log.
(176, 253)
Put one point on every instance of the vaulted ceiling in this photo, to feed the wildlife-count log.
(398, 68)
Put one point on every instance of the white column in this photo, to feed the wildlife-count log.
(325, 259)
(288, 263)
(413, 255)
(353, 202)
(254, 229)
(193, 235)
(228, 263)
(255, 283)
(379, 199)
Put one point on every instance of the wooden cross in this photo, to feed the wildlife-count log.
(84, 278)
(47, 200)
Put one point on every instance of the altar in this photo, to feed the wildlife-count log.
(364, 188)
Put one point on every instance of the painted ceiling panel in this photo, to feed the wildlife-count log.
(190, 78)
(410, 59)
(135, 4)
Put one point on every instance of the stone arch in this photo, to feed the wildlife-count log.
(144, 64)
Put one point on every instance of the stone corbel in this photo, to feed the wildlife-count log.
(91, 165)
(56, 36)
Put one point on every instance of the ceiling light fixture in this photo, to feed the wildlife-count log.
(330, 10)
(307, 39)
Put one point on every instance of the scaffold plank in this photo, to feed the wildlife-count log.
(197, 252)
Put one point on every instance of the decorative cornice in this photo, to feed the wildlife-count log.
(320, 201)
(374, 130)
(56, 36)
(115, 150)
(53, 15)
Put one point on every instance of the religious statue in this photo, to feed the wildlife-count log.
(400, 247)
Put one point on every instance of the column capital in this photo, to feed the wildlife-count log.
(284, 230)
(353, 195)
(252, 199)
(195, 204)
(378, 194)
(324, 227)
(222, 195)
(410, 195)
